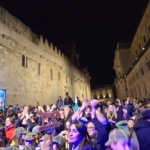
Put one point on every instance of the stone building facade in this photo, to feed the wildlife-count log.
(104, 93)
(122, 62)
(134, 78)
(34, 70)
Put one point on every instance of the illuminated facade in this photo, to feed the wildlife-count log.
(32, 69)
(104, 93)
(134, 78)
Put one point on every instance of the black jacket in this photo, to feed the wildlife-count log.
(86, 146)
(102, 133)
(142, 129)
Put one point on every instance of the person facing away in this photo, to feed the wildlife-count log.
(142, 129)
(68, 100)
(118, 140)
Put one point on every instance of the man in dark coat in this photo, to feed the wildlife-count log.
(68, 100)
(142, 129)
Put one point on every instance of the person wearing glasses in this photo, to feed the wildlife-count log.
(93, 134)
(78, 137)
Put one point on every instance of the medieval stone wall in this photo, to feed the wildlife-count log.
(32, 69)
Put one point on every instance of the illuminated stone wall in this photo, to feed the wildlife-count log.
(32, 69)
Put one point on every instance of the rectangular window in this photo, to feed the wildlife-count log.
(142, 71)
(144, 39)
(135, 94)
(148, 66)
(23, 60)
(139, 90)
(145, 88)
(51, 73)
(26, 62)
(39, 69)
(59, 76)
(140, 46)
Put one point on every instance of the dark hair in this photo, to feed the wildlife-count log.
(12, 113)
(81, 128)
(145, 114)
(12, 119)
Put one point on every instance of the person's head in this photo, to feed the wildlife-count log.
(118, 140)
(36, 132)
(77, 132)
(43, 139)
(59, 97)
(66, 111)
(130, 123)
(67, 125)
(67, 94)
(91, 129)
(29, 139)
(145, 114)
(62, 114)
(35, 109)
(87, 112)
(9, 121)
(111, 108)
(58, 142)
(11, 113)
(109, 102)
(19, 113)
(124, 109)
(10, 107)
(20, 132)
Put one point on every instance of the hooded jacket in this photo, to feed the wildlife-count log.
(142, 129)
(10, 132)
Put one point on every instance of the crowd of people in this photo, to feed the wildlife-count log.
(77, 125)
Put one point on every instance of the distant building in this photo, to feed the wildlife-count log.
(33, 70)
(103, 93)
(132, 63)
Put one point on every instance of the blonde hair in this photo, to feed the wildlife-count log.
(114, 112)
(41, 108)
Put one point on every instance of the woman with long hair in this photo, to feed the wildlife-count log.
(78, 137)
(111, 116)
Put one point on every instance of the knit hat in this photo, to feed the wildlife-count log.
(115, 135)
(58, 139)
(20, 130)
(11, 148)
(28, 148)
(36, 130)
(29, 136)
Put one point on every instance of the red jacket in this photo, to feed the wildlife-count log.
(10, 132)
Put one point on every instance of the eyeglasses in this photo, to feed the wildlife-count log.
(90, 128)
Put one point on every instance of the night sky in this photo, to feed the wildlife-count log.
(94, 26)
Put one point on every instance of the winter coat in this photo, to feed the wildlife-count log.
(142, 129)
(86, 146)
(68, 101)
(10, 131)
(102, 133)
(132, 137)
(59, 103)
